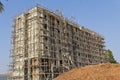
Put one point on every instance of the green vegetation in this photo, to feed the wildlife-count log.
(110, 56)
(1, 7)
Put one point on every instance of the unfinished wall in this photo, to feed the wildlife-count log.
(46, 44)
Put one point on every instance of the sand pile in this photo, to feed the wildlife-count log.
(106, 71)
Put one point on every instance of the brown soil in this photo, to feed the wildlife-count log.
(106, 71)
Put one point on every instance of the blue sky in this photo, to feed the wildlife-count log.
(102, 16)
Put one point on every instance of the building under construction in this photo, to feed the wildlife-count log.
(45, 44)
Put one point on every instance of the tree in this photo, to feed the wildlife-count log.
(110, 56)
(1, 7)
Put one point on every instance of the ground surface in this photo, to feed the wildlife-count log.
(106, 71)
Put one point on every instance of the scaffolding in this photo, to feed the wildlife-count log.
(46, 44)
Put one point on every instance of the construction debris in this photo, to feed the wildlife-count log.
(106, 71)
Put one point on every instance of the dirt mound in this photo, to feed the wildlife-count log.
(106, 71)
